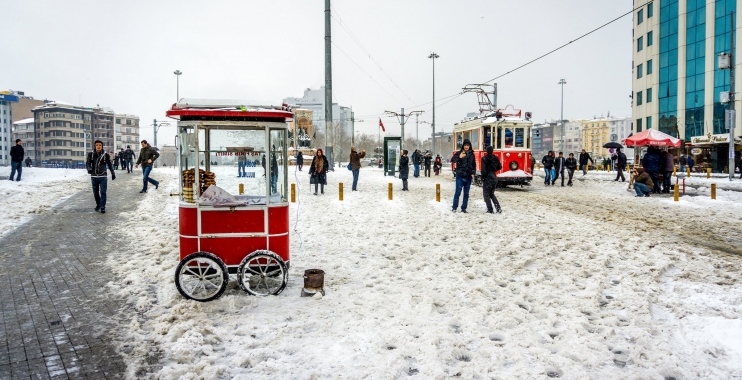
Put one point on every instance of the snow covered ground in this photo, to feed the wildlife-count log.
(581, 282)
(38, 191)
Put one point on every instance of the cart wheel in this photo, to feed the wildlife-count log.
(201, 276)
(263, 273)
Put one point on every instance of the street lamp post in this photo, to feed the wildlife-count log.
(433, 56)
(562, 82)
(177, 84)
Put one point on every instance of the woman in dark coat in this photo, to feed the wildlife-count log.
(437, 165)
(318, 171)
(490, 166)
(404, 169)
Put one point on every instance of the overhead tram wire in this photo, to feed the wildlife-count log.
(352, 35)
(570, 42)
(364, 71)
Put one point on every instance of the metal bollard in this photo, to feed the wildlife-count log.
(437, 192)
(242, 189)
(708, 172)
(293, 192)
(390, 191)
(713, 191)
(340, 190)
(676, 193)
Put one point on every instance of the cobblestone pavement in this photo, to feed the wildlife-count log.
(56, 323)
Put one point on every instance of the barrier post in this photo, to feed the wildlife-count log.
(340, 191)
(713, 191)
(390, 191)
(293, 192)
(688, 169)
(676, 193)
(708, 172)
(437, 192)
(242, 189)
(674, 172)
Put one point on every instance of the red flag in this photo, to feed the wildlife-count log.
(381, 125)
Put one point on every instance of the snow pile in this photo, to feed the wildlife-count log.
(576, 282)
(37, 192)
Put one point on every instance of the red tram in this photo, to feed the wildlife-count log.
(509, 133)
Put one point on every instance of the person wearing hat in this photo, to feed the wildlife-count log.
(465, 170)
(128, 158)
(490, 166)
(404, 169)
(147, 156)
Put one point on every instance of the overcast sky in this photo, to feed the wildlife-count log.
(122, 54)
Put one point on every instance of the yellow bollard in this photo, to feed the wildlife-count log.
(708, 172)
(293, 192)
(340, 190)
(390, 191)
(677, 193)
(713, 191)
(688, 171)
(437, 192)
(674, 172)
(242, 189)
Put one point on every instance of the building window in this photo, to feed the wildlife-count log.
(638, 125)
(640, 44)
(649, 122)
(639, 98)
(650, 39)
(640, 17)
(639, 71)
(649, 95)
(649, 67)
(650, 10)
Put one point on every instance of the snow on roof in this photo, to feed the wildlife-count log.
(25, 121)
(226, 103)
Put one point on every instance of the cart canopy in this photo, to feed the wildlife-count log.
(652, 137)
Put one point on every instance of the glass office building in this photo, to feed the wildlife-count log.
(676, 83)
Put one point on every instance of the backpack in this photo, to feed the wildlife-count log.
(497, 163)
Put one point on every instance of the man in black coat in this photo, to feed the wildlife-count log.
(559, 163)
(97, 163)
(404, 169)
(16, 160)
(466, 167)
(428, 160)
(548, 162)
(620, 165)
(571, 165)
(584, 157)
(490, 166)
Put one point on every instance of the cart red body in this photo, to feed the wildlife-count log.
(232, 233)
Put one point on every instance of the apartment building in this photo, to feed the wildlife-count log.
(63, 133)
(25, 130)
(6, 127)
(103, 127)
(126, 131)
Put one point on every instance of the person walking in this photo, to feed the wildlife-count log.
(548, 162)
(437, 165)
(16, 160)
(416, 161)
(318, 171)
(299, 159)
(28, 162)
(97, 162)
(355, 165)
(571, 165)
(122, 160)
(533, 163)
(490, 166)
(691, 162)
(620, 165)
(668, 166)
(147, 156)
(651, 164)
(683, 162)
(643, 183)
(115, 161)
(129, 157)
(559, 163)
(739, 164)
(241, 165)
(426, 162)
(465, 170)
(584, 158)
(404, 169)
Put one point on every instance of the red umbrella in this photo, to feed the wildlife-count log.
(652, 137)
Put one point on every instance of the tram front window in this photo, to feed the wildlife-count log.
(519, 137)
(508, 137)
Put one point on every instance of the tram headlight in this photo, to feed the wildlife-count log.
(513, 165)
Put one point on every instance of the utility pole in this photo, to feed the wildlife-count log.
(177, 85)
(562, 82)
(328, 87)
(732, 114)
(433, 56)
(401, 117)
(352, 128)
(417, 130)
